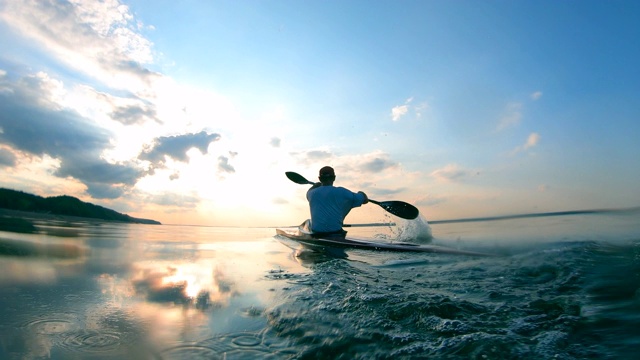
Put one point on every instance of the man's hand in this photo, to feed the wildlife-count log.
(366, 198)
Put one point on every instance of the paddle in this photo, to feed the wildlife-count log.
(397, 208)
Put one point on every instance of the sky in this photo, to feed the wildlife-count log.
(190, 112)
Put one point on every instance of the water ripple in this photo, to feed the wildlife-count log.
(95, 342)
(191, 352)
(243, 345)
(50, 326)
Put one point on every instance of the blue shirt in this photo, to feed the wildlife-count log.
(329, 206)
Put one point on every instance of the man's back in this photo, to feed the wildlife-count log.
(329, 206)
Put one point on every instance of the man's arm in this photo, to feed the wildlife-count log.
(315, 186)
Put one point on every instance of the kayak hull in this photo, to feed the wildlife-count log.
(303, 236)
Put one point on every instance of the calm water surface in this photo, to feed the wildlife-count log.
(559, 287)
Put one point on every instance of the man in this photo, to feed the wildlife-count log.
(329, 205)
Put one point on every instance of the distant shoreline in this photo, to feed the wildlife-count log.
(54, 207)
(533, 215)
(56, 217)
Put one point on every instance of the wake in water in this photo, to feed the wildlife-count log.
(621, 211)
(419, 230)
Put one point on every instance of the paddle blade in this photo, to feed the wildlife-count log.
(297, 178)
(399, 208)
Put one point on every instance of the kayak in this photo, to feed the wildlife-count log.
(305, 237)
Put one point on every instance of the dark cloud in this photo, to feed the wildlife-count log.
(103, 180)
(33, 125)
(224, 166)
(153, 286)
(41, 131)
(132, 67)
(318, 155)
(312, 157)
(176, 147)
(134, 114)
(7, 158)
(377, 165)
(129, 110)
(224, 286)
(104, 191)
(451, 172)
(94, 171)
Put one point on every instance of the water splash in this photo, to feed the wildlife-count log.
(414, 231)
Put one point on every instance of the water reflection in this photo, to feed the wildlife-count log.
(81, 290)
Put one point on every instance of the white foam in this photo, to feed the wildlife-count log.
(414, 231)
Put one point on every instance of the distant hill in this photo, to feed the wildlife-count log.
(62, 205)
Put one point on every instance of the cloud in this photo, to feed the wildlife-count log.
(449, 173)
(7, 158)
(224, 166)
(378, 164)
(318, 155)
(176, 147)
(536, 95)
(174, 200)
(275, 142)
(280, 201)
(511, 117)
(105, 191)
(532, 140)
(401, 110)
(74, 129)
(512, 114)
(134, 114)
(421, 108)
(33, 123)
(387, 192)
(154, 285)
(185, 283)
(99, 38)
(375, 162)
(430, 200)
(312, 157)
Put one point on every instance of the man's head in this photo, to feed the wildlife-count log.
(327, 175)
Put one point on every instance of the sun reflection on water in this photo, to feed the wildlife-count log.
(133, 291)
